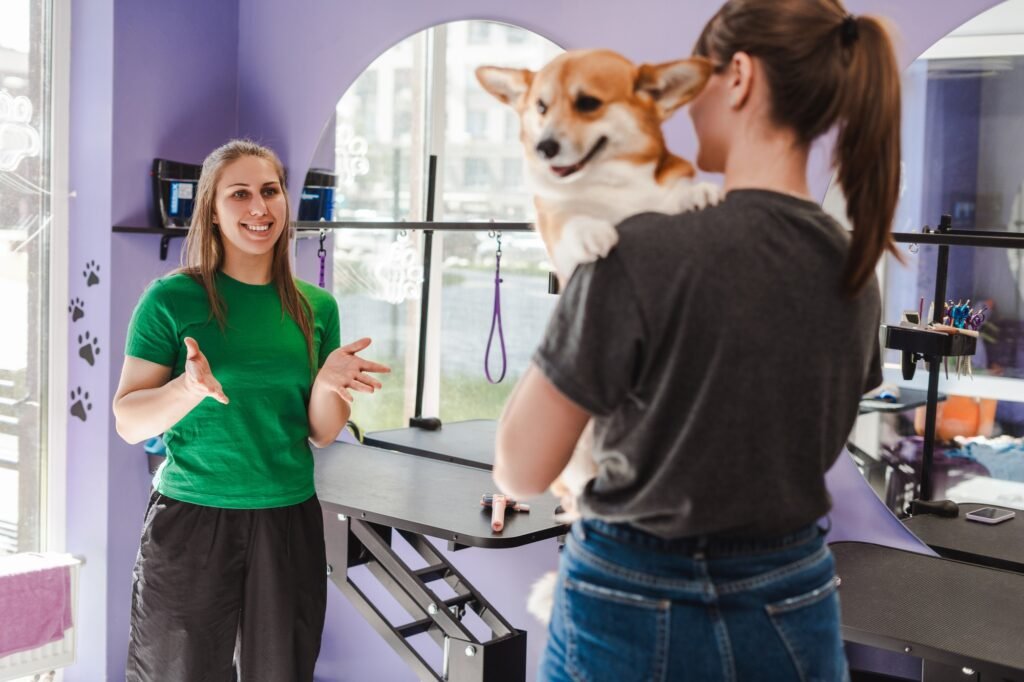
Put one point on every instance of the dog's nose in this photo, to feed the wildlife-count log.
(548, 148)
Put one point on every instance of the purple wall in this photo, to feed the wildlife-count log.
(176, 91)
(175, 96)
(91, 133)
(176, 79)
(148, 79)
(352, 34)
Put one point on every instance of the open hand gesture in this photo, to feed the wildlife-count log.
(199, 379)
(344, 371)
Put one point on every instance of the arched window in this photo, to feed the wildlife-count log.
(421, 97)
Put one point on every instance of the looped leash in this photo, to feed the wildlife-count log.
(322, 255)
(496, 318)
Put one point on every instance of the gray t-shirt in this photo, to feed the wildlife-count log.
(722, 365)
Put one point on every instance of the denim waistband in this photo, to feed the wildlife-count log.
(709, 545)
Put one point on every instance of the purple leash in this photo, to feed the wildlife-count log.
(496, 320)
(322, 255)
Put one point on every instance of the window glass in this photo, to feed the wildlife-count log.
(25, 159)
(381, 144)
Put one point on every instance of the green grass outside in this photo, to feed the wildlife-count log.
(462, 397)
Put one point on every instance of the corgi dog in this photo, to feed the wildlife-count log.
(590, 124)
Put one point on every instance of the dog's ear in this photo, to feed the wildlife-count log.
(508, 85)
(673, 84)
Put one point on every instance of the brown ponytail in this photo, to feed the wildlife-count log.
(827, 68)
(868, 149)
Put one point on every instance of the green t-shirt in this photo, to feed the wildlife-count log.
(252, 453)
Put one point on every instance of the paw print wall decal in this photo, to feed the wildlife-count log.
(91, 268)
(77, 309)
(88, 348)
(80, 404)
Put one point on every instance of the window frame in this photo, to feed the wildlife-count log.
(53, 447)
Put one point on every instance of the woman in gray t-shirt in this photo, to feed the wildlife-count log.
(721, 355)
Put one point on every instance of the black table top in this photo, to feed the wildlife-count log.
(424, 495)
(999, 545)
(468, 442)
(909, 399)
(944, 610)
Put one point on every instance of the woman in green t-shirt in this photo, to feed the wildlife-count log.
(238, 364)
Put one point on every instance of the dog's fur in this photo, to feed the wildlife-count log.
(590, 123)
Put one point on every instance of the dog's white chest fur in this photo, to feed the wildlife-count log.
(615, 191)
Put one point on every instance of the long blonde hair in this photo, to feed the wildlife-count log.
(204, 248)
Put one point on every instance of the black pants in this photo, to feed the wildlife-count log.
(207, 577)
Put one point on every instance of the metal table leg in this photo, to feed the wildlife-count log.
(502, 658)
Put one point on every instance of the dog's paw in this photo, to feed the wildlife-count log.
(559, 488)
(542, 597)
(584, 240)
(701, 195)
(567, 512)
(566, 518)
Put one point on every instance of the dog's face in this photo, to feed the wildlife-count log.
(589, 108)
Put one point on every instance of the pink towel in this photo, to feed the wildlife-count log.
(35, 608)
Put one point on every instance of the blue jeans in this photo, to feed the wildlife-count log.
(632, 606)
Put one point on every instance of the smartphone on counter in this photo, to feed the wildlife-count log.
(990, 515)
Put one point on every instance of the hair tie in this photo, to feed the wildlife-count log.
(848, 32)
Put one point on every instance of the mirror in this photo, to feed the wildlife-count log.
(963, 154)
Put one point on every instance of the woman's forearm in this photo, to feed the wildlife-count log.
(537, 432)
(328, 414)
(149, 412)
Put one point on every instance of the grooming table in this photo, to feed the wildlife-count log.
(999, 545)
(467, 442)
(955, 616)
(366, 494)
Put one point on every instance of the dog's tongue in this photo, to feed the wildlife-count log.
(562, 171)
